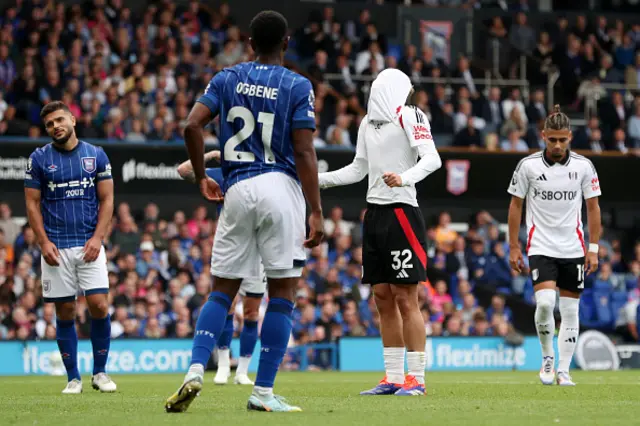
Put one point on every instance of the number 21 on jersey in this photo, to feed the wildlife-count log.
(249, 126)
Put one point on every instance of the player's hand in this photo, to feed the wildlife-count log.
(91, 249)
(215, 155)
(316, 230)
(210, 190)
(51, 254)
(516, 260)
(392, 179)
(591, 263)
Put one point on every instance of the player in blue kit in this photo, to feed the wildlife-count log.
(266, 131)
(251, 291)
(69, 197)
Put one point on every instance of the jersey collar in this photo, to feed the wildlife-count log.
(565, 161)
(64, 151)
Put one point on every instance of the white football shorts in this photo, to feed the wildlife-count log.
(263, 218)
(62, 283)
(254, 288)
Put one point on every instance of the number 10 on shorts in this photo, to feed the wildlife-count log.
(580, 275)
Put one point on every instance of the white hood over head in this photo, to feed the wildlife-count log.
(389, 93)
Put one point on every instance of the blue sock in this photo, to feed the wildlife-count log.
(248, 338)
(227, 333)
(100, 342)
(209, 327)
(276, 331)
(68, 346)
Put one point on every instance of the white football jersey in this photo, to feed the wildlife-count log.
(391, 147)
(391, 137)
(554, 194)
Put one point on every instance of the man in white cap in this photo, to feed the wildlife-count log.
(391, 139)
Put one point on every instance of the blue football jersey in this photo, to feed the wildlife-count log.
(215, 173)
(67, 183)
(259, 106)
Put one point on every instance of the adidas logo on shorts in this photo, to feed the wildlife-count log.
(402, 274)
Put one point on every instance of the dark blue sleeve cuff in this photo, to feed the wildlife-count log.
(208, 103)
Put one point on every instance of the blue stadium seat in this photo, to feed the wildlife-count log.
(528, 294)
(602, 303)
(395, 50)
(587, 310)
(638, 319)
(453, 286)
(602, 286)
(618, 300)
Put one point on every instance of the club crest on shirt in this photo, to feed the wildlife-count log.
(46, 285)
(458, 176)
(89, 164)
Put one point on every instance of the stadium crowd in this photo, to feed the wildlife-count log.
(134, 78)
(159, 278)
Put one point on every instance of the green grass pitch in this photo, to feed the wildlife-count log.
(331, 399)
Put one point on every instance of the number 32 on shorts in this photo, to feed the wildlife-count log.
(401, 259)
(580, 275)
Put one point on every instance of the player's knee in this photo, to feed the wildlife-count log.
(546, 301)
(99, 309)
(406, 299)
(406, 304)
(384, 298)
(66, 311)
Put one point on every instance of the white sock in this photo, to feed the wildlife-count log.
(545, 323)
(243, 365)
(261, 391)
(569, 330)
(416, 362)
(223, 359)
(394, 364)
(196, 369)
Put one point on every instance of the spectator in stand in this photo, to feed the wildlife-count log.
(463, 71)
(468, 136)
(445, 236)
(536, 110)
(614, 114)
(338, 134)
(620, 141)
(632, 73)
(514, 143)
(318, 68)
(491, 110)
(364, 59)
(480, 325)
(8, 224)
(514, 102)
(441, 297)
(514, 123)
(521, 35)
(634, 128)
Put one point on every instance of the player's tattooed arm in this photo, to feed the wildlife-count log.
(185, 170)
